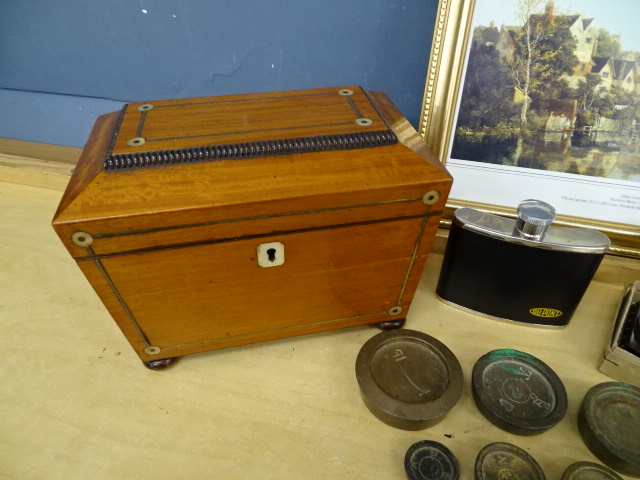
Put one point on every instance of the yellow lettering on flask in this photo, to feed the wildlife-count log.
(545, 312)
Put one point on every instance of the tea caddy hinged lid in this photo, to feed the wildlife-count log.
(339, 155)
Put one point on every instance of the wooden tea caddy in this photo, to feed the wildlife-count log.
(213, 222)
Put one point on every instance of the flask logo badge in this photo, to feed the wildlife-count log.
(545, 312)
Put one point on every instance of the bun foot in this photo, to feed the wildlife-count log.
(392, 325)
(161, 364)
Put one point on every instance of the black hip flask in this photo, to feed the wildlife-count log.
(520, 270)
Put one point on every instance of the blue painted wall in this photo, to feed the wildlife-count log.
(63, 63)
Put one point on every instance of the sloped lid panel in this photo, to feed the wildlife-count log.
(243, 126)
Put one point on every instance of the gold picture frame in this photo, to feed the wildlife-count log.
(443, 87)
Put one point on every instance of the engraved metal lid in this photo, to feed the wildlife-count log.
(534, 217)
(429, 460)
(609, 423)
(589, 471)
(408, 379)
(574, 239)
(518, 392)
(506, 461)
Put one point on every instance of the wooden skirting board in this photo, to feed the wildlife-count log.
(37, 164)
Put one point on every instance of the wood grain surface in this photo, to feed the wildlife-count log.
(173, 247)
(192, 122)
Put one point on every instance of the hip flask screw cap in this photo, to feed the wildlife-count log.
(534, 217)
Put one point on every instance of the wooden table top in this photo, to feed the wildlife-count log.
(77, 402)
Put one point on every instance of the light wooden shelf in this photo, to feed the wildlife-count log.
(77, 402)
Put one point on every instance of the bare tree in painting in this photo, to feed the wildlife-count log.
(543, 49)
(526, 42)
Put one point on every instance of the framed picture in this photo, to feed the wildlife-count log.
(539, 99)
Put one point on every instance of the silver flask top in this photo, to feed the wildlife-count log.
(533, 228)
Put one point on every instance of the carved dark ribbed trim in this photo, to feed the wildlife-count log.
(250, 149)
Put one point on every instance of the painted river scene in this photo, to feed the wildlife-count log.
(552, 90)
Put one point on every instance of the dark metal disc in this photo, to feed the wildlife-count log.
(429, 460)
(504, 461)
(589, 471)
(609, 422)
(408, 379)
(518, 392)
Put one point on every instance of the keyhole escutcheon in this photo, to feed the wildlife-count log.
(270, 254)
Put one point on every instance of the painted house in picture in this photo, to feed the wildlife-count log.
(622, 74)
(625, 75)
(618, 73)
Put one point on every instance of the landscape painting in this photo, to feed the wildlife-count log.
(546, 105)
(552, 87)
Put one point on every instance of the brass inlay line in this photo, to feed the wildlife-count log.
(118, 296)
(272, 330)
(241, 132)
(375, 107)
(415, 252)
(255, 217)
(353, 106)
(250, 237)
(143, 116)
(210, 102)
